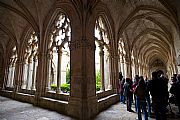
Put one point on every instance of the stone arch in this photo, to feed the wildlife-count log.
(129, 19)
(101, 9)
(29, 19)
(24, 38)
(69, 10)
(164, 46)
(9, 33)
(149, 31)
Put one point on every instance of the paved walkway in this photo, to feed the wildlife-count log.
(14, 110)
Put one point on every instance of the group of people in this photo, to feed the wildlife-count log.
(149, 95)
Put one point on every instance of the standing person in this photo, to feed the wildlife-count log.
(177, 94)
(148, 100)
(128, 94)
(136, 81)
(121, 87)
(158, 90)
(140, 92)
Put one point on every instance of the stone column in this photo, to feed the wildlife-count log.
(48, 82)
(136, 65)
(128, 67)
(141, 69)
(34, 73)
(83, 99)
(122, 65)
(101, 53)
(29, 75)
(58, 90)
(18, 80)
(12, 75)
(119, 63)
(24, 80)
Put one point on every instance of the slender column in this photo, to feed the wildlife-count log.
(17, 76)
(9, 70)
(12, 76)
(29, 72)
(101, 53)
(119, 64)
(48, 83)
(122, 65)
(59, 69)
(24, 80)
(34, 73)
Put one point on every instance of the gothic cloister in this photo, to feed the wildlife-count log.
(66, 55)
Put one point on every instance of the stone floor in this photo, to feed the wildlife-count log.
(14, 110)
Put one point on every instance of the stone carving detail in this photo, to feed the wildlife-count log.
(84, 43)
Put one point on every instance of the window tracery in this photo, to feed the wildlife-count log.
(102, 55)
(30, 63)
(59, 53)
(11, 68)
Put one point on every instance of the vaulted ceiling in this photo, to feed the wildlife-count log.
(148, 27)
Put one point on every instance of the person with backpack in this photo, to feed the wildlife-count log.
(140, 93)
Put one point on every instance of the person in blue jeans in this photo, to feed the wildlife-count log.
(128, 94)
(140, 93)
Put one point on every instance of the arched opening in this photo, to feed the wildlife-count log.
(122, 53)
(59, 55)
(11, 68)
(30, 63)
(102, 65)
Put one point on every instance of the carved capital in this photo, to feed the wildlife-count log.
(79, 44)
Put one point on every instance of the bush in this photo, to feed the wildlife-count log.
(98, 87)
(98, 80)
(65, 88)
(53, 87)
(68, 76)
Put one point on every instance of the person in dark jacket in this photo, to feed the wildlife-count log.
(177, 92)
(158, 90)
(140, 93)
(148, 100)
(128, 94)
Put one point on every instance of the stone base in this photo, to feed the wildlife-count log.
(87, 108)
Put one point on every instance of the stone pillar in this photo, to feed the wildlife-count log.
(18, 76)
(41, 76)
(101, 53)
(83, 100)
(6, 72)
(119, 63)
(136, 65)
(115, 85)
(48, 82)
(12, 75)
(122, 65)
(128, 67)
(58, 90)
(34, 73)
(24, 80)
(1, 71)
(29, 75)
(141, 69)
